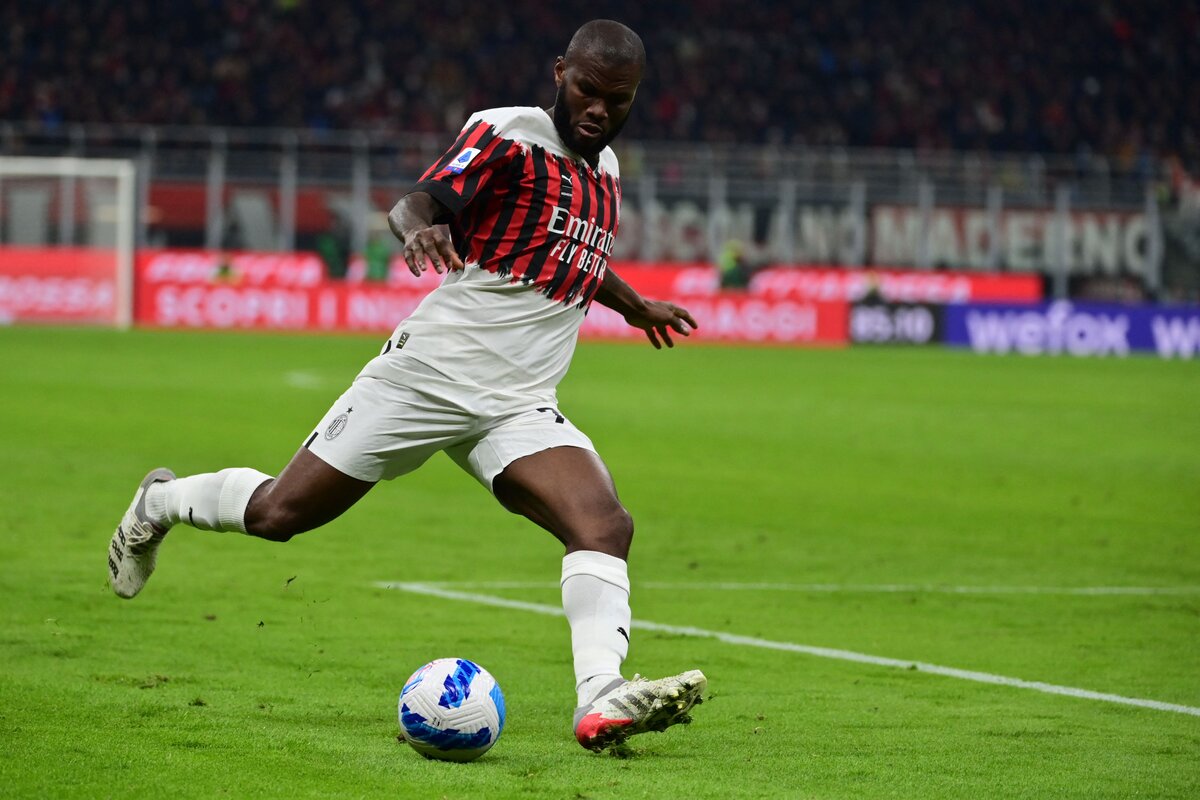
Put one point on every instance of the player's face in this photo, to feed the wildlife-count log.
(593, 102)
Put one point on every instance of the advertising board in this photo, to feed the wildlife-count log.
(58, 285)
(195, 289)
(1075, 329)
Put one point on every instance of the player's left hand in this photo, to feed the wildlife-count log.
(659, 318)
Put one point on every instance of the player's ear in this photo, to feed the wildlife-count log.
(560, 66)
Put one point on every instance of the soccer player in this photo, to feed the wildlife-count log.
(532, 201)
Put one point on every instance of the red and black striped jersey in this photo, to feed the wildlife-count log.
(534, 226)
(520, 205)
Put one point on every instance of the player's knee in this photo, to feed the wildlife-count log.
(610, 532)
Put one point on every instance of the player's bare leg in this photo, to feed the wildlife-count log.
(569, 492)
(307, 494)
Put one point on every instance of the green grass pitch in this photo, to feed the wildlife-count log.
(247, 669)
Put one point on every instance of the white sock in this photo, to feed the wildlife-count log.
(214, 501)
(595, 596)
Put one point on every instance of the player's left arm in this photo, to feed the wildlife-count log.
(656, 317)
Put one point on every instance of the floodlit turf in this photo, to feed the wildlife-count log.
(247, 669)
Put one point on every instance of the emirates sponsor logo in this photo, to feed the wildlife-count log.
(580, 230)
(582, 243)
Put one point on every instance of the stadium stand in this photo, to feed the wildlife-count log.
(1000, 75)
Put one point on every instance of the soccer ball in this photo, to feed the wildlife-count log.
(451, 709)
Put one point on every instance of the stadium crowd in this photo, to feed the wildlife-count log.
(1115, 77)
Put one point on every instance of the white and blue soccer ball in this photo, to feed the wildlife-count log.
(451, 709)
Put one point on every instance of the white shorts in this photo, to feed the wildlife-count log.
(400, 411)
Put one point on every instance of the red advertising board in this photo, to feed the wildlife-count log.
(63, 285)
(194, 289)
(738, 317)
(199, 289)
(897, 285)
(839, 284)
(229, 305)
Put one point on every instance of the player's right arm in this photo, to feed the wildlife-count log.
(411, 221)
(475, 159)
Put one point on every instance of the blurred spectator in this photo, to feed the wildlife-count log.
(334, 248)
(731, 262)
(1115, 78)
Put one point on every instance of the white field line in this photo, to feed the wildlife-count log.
(851, 588)
(790, 647)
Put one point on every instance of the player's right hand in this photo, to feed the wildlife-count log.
(430, 246)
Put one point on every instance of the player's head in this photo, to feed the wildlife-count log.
(597, 79)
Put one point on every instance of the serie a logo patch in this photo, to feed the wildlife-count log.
(462, 160)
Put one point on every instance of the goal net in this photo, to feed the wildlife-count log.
(67, 240)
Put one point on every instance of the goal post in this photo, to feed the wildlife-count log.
(67, 239)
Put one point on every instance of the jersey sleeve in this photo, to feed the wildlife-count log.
(472, 162)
